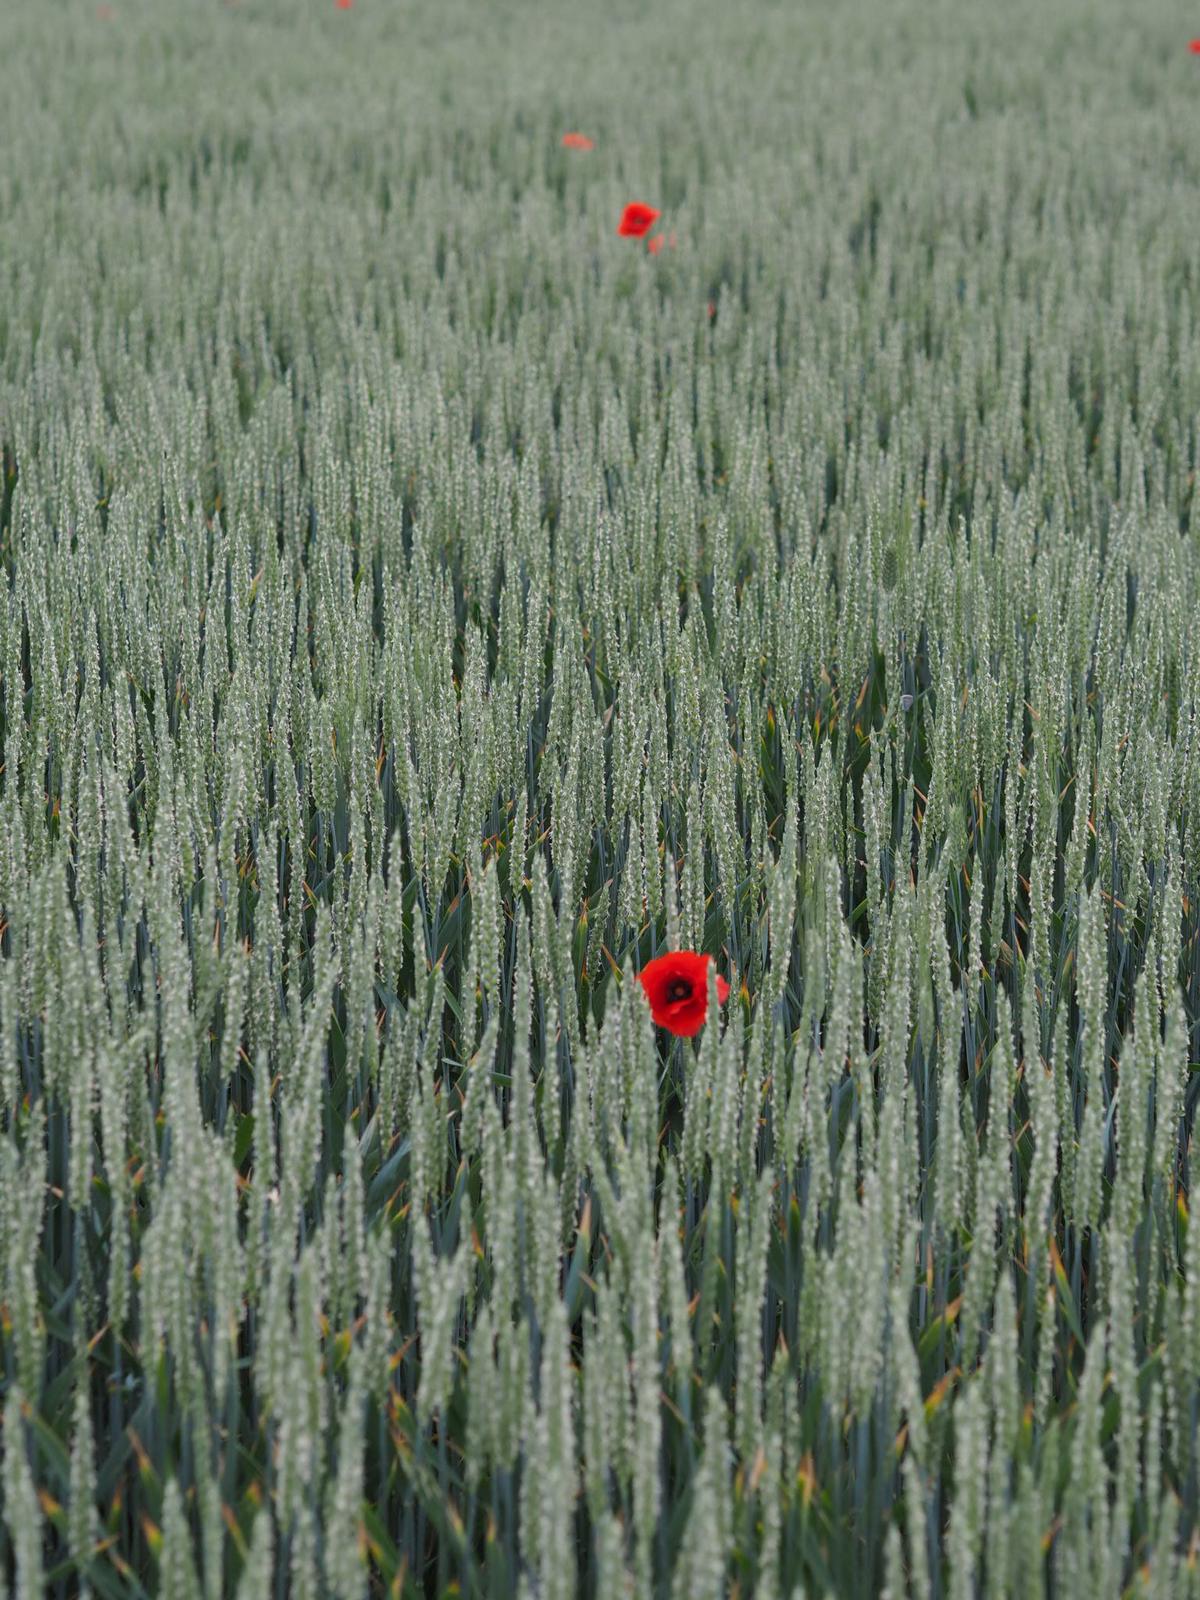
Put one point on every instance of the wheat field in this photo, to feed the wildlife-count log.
(422, 607)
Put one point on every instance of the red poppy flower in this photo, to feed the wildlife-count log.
(578, 141)
(344, 5)
(712, 309)
(637, 219)
(655, 244)
(1194, 46)
(676, 986)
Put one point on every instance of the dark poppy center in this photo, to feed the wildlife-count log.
(679, 989)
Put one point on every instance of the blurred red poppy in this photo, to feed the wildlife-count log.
(637, 219)
(712, 309)
(655, 244)
(578, 141)
(676, 986)
(344, 5)
(1194, 46)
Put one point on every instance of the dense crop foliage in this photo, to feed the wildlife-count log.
(420, 608)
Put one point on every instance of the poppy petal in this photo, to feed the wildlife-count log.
(676, 985)
(637, 219)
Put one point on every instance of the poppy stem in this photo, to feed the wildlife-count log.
(674, 1069)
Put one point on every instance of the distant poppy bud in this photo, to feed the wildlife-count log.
(676, 986)
(578, 141)
(637, 219)
(655, 244)
(712, 309)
